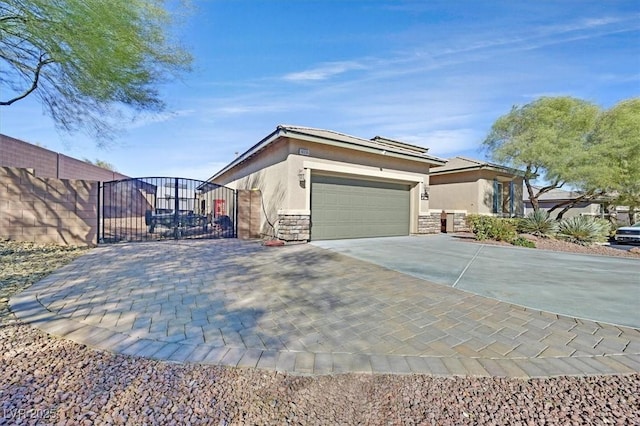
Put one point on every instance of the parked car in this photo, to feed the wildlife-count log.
(628, 234)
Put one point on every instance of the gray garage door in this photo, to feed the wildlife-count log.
(353, 208)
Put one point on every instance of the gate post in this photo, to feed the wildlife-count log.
(98, 213)
(249, 213)
(176, 214)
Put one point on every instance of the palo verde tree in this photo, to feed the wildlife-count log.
(615, 150)
(86, 59)
(547, 139)
(101, 163)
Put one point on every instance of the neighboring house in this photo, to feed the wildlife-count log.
(49, 164)
(320, 184)
(556, 196)
(476, 187)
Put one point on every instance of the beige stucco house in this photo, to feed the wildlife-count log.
(556, 196)
(321, 184)
(476, 187)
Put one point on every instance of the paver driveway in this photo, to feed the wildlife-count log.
(306, 310)
(600, 288)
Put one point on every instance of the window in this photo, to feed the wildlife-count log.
(497, 196)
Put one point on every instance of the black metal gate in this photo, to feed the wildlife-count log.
(155, 208)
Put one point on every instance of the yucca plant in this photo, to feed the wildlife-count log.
(583, 230)
(539, 223)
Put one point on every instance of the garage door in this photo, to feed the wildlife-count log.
(353, 208)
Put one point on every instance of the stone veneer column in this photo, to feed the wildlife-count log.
(294, 227)
(429, 224)
(460, 222)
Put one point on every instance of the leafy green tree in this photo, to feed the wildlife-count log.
(547, 139)
(615, 149)
(101, 163)
(85, 59)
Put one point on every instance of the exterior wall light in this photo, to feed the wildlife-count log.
(425, 193)
(301, 176)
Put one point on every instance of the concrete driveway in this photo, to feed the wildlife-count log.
(599, 288)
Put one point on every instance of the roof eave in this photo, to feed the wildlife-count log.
(283, 131)
(505, 170)
(264, 142)
(364, 147)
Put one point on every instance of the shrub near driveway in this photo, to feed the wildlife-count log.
(492, 228)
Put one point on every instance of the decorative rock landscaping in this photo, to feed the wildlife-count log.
(47, 380)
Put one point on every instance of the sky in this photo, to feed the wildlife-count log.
(431, 73)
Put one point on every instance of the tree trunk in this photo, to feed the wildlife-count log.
(563, 211)
(533, 198)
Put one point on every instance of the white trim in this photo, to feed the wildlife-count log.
(295, 212)
(449, 211)
(358, 171)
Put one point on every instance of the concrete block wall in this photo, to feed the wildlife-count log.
(50, 164)
(47, 210)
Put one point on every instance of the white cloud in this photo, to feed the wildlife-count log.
(324, 71)
(447, 142)
(146, 119)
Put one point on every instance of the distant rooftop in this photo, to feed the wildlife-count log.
(458, 164)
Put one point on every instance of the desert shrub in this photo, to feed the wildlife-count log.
(491, 228)
(516, 222)
(523, 242)
(539, 223)
(583, 230)
(504, 231)
(481, 225)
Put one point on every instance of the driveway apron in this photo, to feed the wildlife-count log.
(308, 310)
(598, 288)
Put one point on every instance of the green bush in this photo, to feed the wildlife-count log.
(583, 230)
(516, 222)
(491, 228)
(539, 223)
(523, 242)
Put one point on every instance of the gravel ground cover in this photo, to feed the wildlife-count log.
(46, 380)
(554, 244)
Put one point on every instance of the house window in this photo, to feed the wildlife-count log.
(512, 198)
(497, 196)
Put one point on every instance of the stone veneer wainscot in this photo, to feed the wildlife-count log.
(294, 227)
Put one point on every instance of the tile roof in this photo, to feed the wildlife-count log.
(384, 145)
(464, 163)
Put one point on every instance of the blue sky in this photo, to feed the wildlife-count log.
(431, 73)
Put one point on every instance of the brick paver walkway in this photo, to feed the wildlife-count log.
(307, 310)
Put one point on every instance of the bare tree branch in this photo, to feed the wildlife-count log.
(34, 85)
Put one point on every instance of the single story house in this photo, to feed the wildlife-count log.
(320, 184)
(556, 196)
(476, 187)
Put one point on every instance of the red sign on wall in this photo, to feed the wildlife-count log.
(219, 208)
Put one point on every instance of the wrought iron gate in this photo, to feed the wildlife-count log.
(155, 208)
